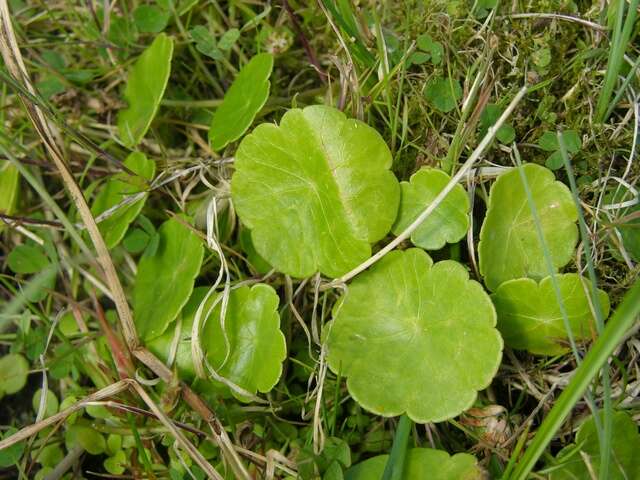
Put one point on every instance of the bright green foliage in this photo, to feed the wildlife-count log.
(150, 19)
(421, 463)
(315, 191)
(244, 99)
(165, 278)
(13, 374)
(448, 223)
(509, 245)
(257, 262)
(443, 93)
(505, 134)
(530, 317)
(406, 343)
(113, 228)
(9, 186)
(27, 259)
(205, 42)
(145, 88)
(257, 347)
(625, 445)
(549, 143)
(85, 436)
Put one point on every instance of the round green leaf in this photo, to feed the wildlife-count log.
(244, 99)
(150, 19)
(509, 245)
(27, 259)
(14, 370)
(50, 456)
(443, 93)
(625, 445)
(165, 278)
(51, 402)
(421, 463)
(11, 455)
(448, 223)
(257, 347)
(406, 343)
(113, 228)
(145, 88)
(86, 437)
(116, 464)
(315, 191)
(530, 317)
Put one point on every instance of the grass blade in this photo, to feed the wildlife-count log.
(395, 464)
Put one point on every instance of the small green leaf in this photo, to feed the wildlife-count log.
(14, 370)
(145, 88)
(625, 445)
(448, 223)
(117, 463)
(51, 403)
(435, 49)
(11, 455)
(542, 57)
(629, 230)
(113, 228)
(27, 259)
(50, 85)
(530, 317)
(242, 102)
(421, 463)
(443, 93)
(229, 39)
(506, 133)
(257, 347)
(418, 58)
(136, 240)
(50, 456)
(549, 142)
(9, 187)
(509, 246)
(165, 279)
(205, 42)
(407, 344)
(86, 437)
(150, 19)
(307, 190)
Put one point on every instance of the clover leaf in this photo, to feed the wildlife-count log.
(505, 134)
(406, 343)
(11, 455)
(549, 142)
(448, 223)
(530, 317)
(27, 259)
(14, 370)
(315, 191)
(113, 228)
(421, 463)
(242, 102)
(627, 220)
(145, 88)
(429, 49)
(257, 347)
(150, 19)
(509, 245)
(85, 436)
(165, 278)
(625, 445)
(443, 93)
